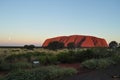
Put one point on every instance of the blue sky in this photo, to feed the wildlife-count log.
(32, 21)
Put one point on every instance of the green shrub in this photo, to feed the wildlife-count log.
(11, 58)
(52, 59)
(90, 64)
(21, 65)
(30, 47)
(97, 63)
(101, 53)
(48, 59)
(42, 60)
(24, 56)
(116, 58)
(2, 78)
(104, 63)
(44, 73)
(4, 66)
(58, 73)
(66, 57)
(75, 56)
(71, 45)
(84, 55)
(2, 58)
(55, 45)
(38, 53)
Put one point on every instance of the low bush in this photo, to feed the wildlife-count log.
(11, 58)
(90, 64)
(75, 56)
(84, 55)
(2, 78)
(66, 57)
(116, 58)
(24, 56)
(97, 63)
(21, 65)
(51, 59)
(30, 47)
(2, 58)
(101, 53)
(55, 45)
(44, 73)
(4, 66)
(104, 63)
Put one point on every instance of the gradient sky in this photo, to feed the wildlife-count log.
(32, 21)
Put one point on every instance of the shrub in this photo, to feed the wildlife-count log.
(18, 57)
(52, 59)
(4, 66)
(2, 78)
(90, 64)
(30, 47)
(116, 58)
(21, 65)
(75, 56)
(48, 59)
(113, 44)
(104, 63)
(44, 73)
(84, 55)
(42, 60)
(71, 45)
(55, 45)
(101, 53)
(97, 63)
(24, 56)
(66, 57)
(11, 58)
(38, 53)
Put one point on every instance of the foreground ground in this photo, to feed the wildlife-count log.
(90, 63)
(111, 73)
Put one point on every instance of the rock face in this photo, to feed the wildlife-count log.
(79, 41)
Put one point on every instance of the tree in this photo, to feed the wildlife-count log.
(119, 45)
(113, 44)
(71, 45)
(30, 47)
(55, 45)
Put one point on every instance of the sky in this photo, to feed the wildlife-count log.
(33, 21)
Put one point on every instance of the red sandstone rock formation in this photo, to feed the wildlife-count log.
(78, 40)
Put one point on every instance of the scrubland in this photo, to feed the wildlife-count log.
(18, 63)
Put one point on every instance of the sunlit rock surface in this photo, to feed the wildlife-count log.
(79, 41)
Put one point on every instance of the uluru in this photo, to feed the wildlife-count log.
(78, 40)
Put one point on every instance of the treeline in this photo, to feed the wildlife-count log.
(60, 45)
(55, 45)
(18, 46)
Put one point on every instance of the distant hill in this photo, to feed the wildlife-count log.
(78, 40)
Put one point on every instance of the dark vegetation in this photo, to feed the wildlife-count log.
(21, 66)
(55, 45)
(113, 44)
(71, 45)
(30, 47)
(43, 73)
